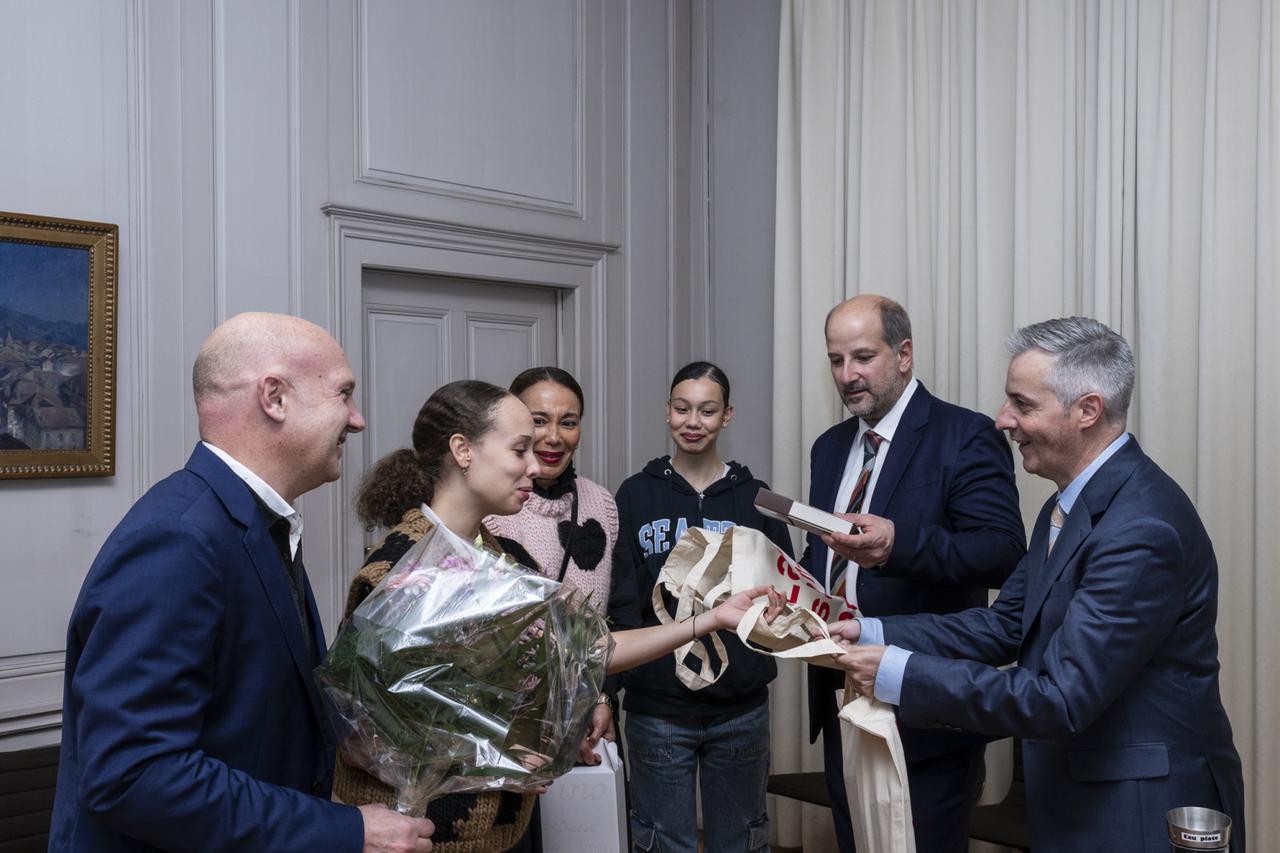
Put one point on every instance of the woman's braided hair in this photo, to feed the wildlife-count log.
(406, 478)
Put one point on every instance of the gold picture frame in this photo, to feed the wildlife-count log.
(57, 347)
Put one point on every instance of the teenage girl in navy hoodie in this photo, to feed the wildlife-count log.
(718, 735)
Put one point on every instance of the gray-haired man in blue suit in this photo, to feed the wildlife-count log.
(1110, 618)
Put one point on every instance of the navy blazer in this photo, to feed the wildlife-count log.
(191, 720)
(1116, 690)
(947, 485)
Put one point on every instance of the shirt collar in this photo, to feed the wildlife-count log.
(265, 493)
(1067, 497)
(887, 425)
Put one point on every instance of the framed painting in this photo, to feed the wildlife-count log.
(57, 347)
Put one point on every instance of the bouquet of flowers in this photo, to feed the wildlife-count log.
(462, 671)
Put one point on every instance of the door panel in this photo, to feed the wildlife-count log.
(423, 331)
(500, 347)
(408, 351)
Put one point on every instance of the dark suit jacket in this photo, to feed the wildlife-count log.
(1116, 690)
(947, 486)
(191, 720)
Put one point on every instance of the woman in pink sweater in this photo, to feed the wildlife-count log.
(569, 526)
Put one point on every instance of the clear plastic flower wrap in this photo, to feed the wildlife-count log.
(462, 671)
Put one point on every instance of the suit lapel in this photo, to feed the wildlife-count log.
(259, 548)
(1077, 529)
(275, 585)
(906, 438)
(1088, 508)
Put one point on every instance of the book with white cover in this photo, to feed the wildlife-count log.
(801, 515)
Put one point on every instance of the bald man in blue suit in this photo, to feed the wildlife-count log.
(191, 719)
(1110, 618)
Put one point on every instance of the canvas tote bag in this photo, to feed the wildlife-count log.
(705, 568)
(875, 776)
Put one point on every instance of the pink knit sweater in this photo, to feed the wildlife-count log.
(538, 528)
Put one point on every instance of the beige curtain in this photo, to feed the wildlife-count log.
(993, 163)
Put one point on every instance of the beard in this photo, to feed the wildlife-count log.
(875, 402)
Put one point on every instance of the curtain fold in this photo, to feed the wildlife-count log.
(991, 163)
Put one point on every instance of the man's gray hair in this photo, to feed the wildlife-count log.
(1090, 359)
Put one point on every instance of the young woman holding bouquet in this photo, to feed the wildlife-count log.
(473, 457)
(568, 527)
(719, 735)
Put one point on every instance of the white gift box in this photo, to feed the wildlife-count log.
(585, 810)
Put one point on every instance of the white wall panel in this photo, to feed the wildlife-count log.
(255, 164)
(487, 113)
(742, 101)
(653, 260)
(65, 150)
(479, 98)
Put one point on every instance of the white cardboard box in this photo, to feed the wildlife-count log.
(585, 810)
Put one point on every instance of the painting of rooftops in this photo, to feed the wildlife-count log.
(44, 343)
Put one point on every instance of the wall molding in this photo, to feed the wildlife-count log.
(361, 239)
(139, 243)
(31, 685)
(367, 173)
(36, 663)
(354, 221)
(218, 152)
(701, 256)
(294, 97)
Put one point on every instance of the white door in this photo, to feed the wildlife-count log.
(422, 331)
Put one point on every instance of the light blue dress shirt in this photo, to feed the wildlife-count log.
(894, 663)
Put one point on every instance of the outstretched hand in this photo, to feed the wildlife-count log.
(729, 613)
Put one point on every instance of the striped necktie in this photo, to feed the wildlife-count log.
(1056, 520)
(870, 446)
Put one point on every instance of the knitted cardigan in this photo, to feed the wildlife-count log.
(487, 822)
(542, 528)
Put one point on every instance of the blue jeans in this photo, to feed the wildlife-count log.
(730, 758)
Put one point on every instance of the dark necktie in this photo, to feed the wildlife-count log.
(295, 573)
(839, 565)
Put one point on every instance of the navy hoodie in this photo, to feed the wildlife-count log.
(654, 508)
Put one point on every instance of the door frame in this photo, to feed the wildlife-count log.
(363, 239)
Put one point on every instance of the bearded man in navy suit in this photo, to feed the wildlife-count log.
(930, 485)
(1110, 617)
(191, 720)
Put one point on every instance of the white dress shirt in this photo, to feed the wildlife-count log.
(885, 428)
(266, 494)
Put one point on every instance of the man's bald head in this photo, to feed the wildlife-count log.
(895, 325)
(277, 394)
(249, 345)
